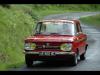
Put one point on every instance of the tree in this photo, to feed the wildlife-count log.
(5, 5)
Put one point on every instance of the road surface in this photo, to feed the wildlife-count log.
(92, 62)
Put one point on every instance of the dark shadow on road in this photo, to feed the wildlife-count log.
(52, 64)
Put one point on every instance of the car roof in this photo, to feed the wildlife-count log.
(61, 20)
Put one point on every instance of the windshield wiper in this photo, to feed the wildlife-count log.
(46, 33)
(54, 33)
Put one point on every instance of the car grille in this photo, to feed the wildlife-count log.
(47, 47)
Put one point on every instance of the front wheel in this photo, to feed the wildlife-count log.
(82, 57)
(29, 61)
(74, 60)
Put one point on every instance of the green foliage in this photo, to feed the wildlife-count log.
(15, 25)
(5, 5)
(92, 20)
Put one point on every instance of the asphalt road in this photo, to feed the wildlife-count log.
(92, 62)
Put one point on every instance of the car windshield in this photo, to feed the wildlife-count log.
(58, 28)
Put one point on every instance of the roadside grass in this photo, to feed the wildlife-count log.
(92, 20)
(15, 25)
(18, 22)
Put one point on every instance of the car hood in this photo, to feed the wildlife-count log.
(50, 39)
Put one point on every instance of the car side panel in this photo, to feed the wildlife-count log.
(80, 44)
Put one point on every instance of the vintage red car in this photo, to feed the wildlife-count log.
(56, 39)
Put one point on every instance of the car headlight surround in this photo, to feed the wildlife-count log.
(66, 47)
(30, 46)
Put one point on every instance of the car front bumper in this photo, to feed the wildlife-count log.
(53, 57)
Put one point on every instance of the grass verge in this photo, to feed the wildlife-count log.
(92, 20)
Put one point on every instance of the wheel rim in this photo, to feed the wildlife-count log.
(76, 58)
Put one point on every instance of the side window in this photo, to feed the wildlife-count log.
(38, 26)
(43, 28)
(78, 27)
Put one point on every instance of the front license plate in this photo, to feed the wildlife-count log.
(46, 53)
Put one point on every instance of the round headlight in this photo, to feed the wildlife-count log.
(30, 46)
(66, 47)
(33, 46)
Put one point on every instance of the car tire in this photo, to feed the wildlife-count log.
(29, 61)
(82, 57)
(74, 60)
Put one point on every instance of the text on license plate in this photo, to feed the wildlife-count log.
(46, 53)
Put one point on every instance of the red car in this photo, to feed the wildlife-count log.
(54, 40)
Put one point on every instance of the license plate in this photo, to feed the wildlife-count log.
(46, 53)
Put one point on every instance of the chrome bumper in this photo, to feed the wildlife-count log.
(56, 53)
